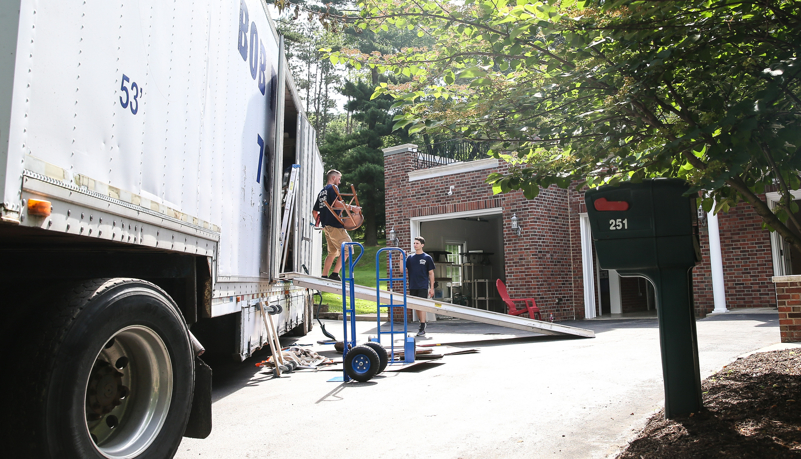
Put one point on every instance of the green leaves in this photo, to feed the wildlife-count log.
(472, 72)
(530, 190)
(416, 128)
(622, 91)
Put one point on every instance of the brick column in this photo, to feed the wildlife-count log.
(788, 296)
(398, 162)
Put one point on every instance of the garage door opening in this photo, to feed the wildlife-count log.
(468, 253)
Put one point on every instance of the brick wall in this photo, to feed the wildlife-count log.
(703, 296)
(540, 263)
(747, 260)
(396, 168)
(747, 263)
(788, 294)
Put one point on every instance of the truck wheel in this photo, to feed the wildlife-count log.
(361, 363)
(383, 355)
(114, 373)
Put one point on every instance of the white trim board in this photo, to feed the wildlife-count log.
(775, 195)
(452, 215)
(399, 149)
(414, 223)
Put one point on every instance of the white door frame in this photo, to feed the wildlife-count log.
(590, 274)
(778, 248)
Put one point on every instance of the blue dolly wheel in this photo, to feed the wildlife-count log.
(383, 356)
(361, 363)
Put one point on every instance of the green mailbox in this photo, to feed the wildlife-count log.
(644, 225)
(649, 230)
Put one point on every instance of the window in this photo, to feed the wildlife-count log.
(456, 249)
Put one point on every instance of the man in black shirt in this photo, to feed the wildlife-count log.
(335, 233)
(420, 269)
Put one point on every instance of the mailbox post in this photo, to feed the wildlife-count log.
(646, 229)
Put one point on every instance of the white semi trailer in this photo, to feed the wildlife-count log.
(143, 154)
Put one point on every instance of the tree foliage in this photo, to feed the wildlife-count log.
(316, 78)
(609, 91)
(358, 154)
(351, 142)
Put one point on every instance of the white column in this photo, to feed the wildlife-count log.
(615, 304)
(587, 267)
(716, 264)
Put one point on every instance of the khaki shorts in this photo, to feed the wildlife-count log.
(335, 238)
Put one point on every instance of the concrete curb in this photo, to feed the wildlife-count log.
(772, 347)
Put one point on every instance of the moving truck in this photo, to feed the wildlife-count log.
(145, 150)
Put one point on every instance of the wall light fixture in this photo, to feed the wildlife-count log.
(393, 238)
(515, 225)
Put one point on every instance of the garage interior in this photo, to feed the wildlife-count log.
(468, 255)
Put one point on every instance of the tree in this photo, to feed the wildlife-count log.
(368, 122)
(609, 91)
(359, 154)
(315, 77)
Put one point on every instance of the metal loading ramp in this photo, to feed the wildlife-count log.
(444, 309)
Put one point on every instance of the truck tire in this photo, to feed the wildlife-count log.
(113, 375)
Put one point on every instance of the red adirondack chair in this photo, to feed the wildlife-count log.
(530, 304)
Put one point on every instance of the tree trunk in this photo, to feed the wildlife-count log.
(372, 121)
(370, 226)
(308, 79)
(325, 102)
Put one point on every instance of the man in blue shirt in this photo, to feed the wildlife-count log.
(420, 269)
(335, 233)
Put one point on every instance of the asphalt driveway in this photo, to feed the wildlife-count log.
(521, 396)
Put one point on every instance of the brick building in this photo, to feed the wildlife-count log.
(551, 257)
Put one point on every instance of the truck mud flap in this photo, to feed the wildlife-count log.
(199, 425)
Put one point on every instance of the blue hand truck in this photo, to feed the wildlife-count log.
(408, 342)
(362, 362)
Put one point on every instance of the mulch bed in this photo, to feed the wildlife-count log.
(752, 409)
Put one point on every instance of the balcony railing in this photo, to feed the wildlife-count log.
(450, 151)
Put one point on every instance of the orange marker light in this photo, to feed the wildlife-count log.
(41, 208)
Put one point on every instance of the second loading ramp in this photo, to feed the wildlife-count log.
(444, 309)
